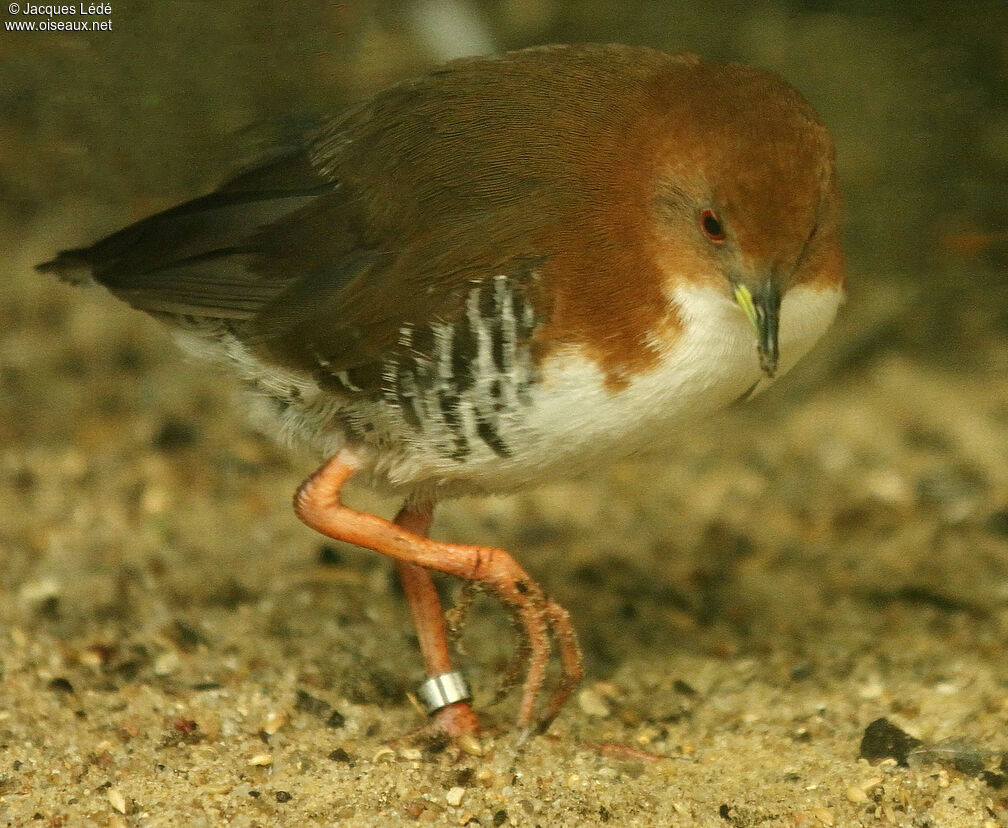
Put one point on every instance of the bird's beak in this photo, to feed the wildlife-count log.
(763, 312)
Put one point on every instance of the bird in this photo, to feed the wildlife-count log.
(508, 270)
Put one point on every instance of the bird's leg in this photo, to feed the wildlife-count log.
(317, 503)
(457, 718)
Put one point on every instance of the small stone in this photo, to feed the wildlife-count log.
(273, 722)
(859, 792)
(883, 739)
(801, 671)
(261, 760)
(305, 702)
(646, 736)
(593, 704)
(61, 685)
(117, 800)
(187, 727)
(414, 808)
(824, 815)
(339, 755)
(185, 636)
(888, 487)
(35, 592)
(454, 796)
(997, 522)
(856, 794)
(174, 434)
(167, 663)
(607, 690)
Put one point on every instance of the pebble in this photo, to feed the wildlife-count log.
(273, 722)
(856, 794)
(824, 815)
(117, 800)
(859, 792)
(454, 796)
(593, 704)
(35, 592)
(167, 663)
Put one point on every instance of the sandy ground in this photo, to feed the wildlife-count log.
(176, 649)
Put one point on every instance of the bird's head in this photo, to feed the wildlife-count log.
(746, 198)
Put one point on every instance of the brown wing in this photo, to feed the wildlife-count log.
(389, 215)
(483, 168)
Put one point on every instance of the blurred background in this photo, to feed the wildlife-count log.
(849, 527)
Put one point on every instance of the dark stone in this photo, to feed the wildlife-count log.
(339, 755)
(329, 555)
(997, 522)
(175, 434)
(307, 703)
(882, 739)
(61, 685)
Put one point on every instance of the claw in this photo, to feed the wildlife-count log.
(455, 616)
(542, 622)
(513, 671)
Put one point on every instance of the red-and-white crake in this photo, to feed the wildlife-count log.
(507, 270)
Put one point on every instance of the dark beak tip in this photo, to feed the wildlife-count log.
(768, 364)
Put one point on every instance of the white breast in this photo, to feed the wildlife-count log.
(576, 422)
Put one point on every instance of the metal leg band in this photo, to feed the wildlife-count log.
(440, 691)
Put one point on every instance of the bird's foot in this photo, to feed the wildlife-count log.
(541, 622)
(455, 617)
(453, 726)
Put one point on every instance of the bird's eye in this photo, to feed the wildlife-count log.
(711, 226)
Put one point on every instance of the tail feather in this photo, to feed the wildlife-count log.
(72, 266)
(217, 256)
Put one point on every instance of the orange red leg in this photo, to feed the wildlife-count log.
(457, 718)
(318, 504)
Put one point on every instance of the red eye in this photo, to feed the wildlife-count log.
(711, 226)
